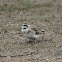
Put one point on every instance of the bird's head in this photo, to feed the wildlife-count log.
(25, 27)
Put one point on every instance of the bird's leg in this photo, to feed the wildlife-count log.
(31, 41)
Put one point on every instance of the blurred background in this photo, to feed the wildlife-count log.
(44, 14)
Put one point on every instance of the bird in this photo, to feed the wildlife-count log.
(30, 32)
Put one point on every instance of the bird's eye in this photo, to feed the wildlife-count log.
(25, 25)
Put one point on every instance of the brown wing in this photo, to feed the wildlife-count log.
(36, 31)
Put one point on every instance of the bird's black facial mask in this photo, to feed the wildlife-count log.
(25, 25)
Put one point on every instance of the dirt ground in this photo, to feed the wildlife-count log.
(44, 14)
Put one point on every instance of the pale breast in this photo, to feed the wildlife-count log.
(31, 35)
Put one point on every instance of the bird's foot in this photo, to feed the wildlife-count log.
(30, 41)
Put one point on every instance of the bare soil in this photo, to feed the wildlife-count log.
(44, 14)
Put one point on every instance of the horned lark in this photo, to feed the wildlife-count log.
(30, 32)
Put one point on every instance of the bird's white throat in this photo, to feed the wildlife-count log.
(25, 30)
